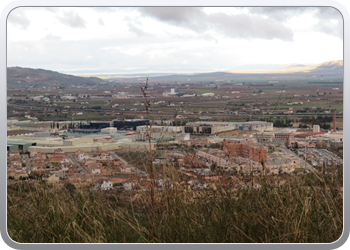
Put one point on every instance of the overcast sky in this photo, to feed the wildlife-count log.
(172, 39)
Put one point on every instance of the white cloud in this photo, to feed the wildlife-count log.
(181, 39)
(18, 18)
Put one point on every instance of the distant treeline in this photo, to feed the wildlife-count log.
(280, 122)
(316, 120)
(327, 82)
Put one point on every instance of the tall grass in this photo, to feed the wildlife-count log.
(305, 209)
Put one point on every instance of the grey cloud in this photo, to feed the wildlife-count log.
(278, 13)
(172, 14)
(248, 27)
(333, 29)
(190, 17)
(323, 14)
(238, 26)
(72, 19)
(330, 21)
(51, 9)
(104, 9)
(328, 13)
(136, 30)
(18, 19)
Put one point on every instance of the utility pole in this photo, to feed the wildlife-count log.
(334, 120)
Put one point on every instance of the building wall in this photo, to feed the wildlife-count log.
(127, 124)
(145, 128)
(284, 136)
(201, 127)
(109, 130)
(265, 137)
(73, 149)
(236, 149)
(77, 141)
(137, 146)
(316, 128)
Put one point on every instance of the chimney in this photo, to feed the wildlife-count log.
(334, 127)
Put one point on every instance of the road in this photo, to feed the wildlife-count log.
(124, 162)
(74, 161)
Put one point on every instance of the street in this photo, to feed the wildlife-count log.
(124, 162)
(74, 161)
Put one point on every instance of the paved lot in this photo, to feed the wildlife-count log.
(318, 157)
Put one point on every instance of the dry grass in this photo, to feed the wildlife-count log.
(305, 209)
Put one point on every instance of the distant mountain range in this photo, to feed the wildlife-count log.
(28, 76)
(326, 67)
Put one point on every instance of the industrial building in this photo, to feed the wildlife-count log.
(128, 124)
(174, 92)
(246, 149)
(96, 125)
(19, 145)
(109, 130)
(284, 137)
(146, 128)
(216, 127)
(73, 145)
(263, 137)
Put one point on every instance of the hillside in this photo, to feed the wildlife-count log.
(330, 68)
(28, 76)
(324, 68)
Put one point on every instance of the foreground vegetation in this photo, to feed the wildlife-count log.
(297, 208)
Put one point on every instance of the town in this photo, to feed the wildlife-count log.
(107, 135)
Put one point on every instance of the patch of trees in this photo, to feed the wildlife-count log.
(322, 126)
(325, 126)
(316, 119)
(303, 126)
(179, 123)
(17, 101)
(280, 122)
(236, 104)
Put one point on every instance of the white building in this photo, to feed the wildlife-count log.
(95, 170)
(316, 128)
(109, 130)
(208, 94)
(146, 128)
(106, 185)
(125, 169)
